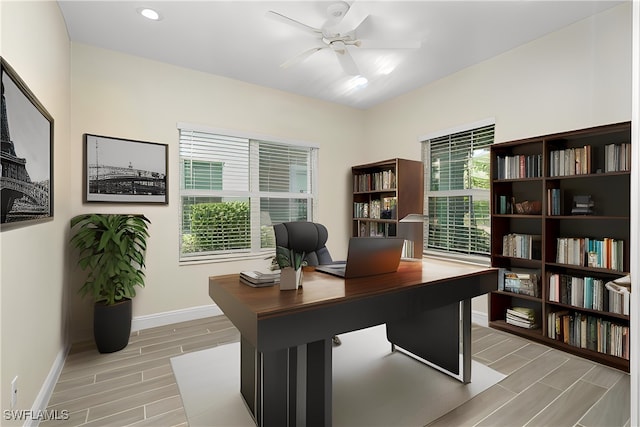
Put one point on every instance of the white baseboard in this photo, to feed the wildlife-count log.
(480, 318)
(176, 316)
(42, 399)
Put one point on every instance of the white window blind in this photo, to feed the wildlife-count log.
(457, 192)
(234, 189)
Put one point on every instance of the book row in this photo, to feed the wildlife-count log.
(522, 317)
(617, 157)
(588, 292)
(590, 332)
(376, 209)
(570, 161)
(522, 246)
(598, 253)
(519, 282)
(376, 229)
(519, 166)
(383, 180)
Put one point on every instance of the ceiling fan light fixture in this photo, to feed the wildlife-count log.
(359, 82)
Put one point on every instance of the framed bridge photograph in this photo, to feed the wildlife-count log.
(120, 170)
(26, 181)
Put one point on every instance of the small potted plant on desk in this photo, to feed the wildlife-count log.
(290, 263)
(112, 248)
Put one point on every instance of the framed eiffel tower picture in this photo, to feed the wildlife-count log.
(26, 181)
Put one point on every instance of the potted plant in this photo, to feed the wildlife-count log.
(290, 263)
(112, 248)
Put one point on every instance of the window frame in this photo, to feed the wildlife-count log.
(485, 194)
(252, 193)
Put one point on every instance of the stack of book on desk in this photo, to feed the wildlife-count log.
(521, 316)
(259, 279)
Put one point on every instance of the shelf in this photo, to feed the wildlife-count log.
(611, 220)
(588, 310)
(588, 175)
(385, 190)
(527, 333)
(386, 221)
(392, 188)
(588, 217)
(521, 296)
(586, 269)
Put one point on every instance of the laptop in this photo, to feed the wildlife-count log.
(367, 256)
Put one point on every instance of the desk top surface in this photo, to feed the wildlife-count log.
(323, 289)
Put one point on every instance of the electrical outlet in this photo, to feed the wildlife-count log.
(14, 392)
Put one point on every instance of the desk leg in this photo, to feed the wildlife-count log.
(268, 384)
(466, 341)
(277, 395)
(319, 383)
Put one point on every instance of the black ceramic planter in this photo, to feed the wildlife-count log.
(112, 326)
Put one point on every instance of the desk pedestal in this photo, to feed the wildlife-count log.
(436, 336)
(288, 387)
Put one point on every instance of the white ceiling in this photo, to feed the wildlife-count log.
(236, 39)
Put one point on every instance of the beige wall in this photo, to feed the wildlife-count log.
(130, 97)
(33, 274)
(577, 77)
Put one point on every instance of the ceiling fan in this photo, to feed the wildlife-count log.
(340, 32)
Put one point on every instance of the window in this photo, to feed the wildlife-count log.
(232, 189)
(457, 192)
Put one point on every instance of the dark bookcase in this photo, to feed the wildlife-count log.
(565, 199)
(384, 193)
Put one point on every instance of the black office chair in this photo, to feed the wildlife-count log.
(307, 237)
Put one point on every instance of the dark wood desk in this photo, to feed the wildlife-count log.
(286, 365)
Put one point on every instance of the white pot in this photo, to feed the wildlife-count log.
(290, 279)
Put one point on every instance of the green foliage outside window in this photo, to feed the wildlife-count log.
(218, 227)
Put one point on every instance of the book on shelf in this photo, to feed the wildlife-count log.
(375, 181)
(582, 205)
(521, 316)
(259, 279)
(584, 292)
(589, 332)
(620, 295)
(519, 166)
(520, 281)
(554, 201)
(570, 161)
(607, 253)
(617, 157)
(516, 245)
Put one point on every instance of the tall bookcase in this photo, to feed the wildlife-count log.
(384, 193)
(561, 212)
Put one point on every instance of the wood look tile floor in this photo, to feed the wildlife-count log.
(543, 387)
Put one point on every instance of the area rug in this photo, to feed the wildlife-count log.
(371, 385)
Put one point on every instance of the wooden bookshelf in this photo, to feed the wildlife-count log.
(384, 193)
(534, 184)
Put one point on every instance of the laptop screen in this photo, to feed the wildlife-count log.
(368, 256)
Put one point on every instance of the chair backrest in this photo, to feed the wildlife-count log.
(304, 236)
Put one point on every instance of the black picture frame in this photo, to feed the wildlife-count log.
(120, 170)
(26, 180)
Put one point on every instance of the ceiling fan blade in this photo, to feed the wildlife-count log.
(301, 57)
(346, 61)
(285, 19)
(388, 44)
(354, 17)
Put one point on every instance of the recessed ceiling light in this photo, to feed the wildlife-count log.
(149, 13)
